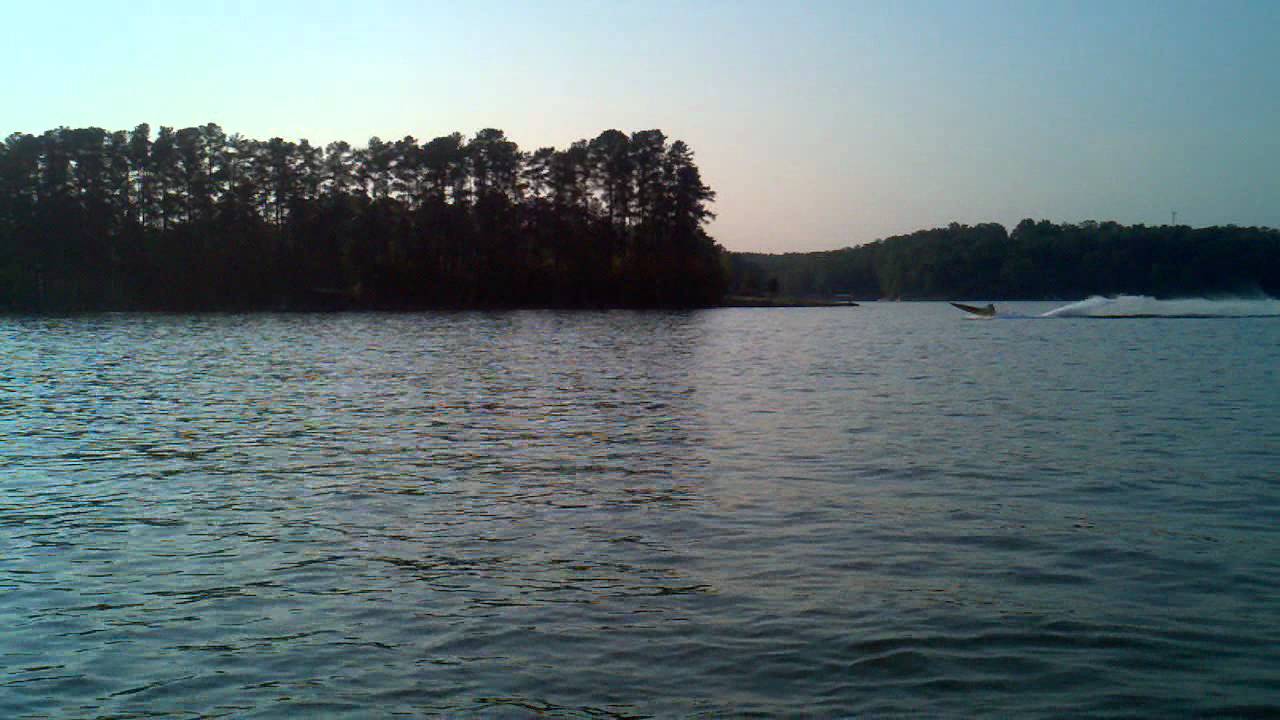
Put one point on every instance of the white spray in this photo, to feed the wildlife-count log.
(1146, 306)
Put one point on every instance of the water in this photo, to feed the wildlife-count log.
(874, 511)
(1141, 306)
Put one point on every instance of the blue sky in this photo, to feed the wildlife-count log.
(819, 124)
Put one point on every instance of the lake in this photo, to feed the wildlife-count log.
(887, 510)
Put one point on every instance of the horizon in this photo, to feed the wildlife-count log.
(819, 127)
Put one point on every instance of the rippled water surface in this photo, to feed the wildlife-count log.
(878, 511)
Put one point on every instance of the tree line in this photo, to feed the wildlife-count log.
(198, 219)
(1039, 259)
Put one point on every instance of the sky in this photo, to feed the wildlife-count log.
(819, 125)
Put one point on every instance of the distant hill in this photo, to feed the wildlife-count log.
(1037, 260)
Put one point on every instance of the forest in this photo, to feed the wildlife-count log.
(1038, 260)
(197, 219)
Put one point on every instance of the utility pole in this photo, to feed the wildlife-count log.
(1175, 217)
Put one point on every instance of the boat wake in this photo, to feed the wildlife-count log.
(1143, 306)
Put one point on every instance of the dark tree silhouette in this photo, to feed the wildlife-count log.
(194, 219)
(1039, 259)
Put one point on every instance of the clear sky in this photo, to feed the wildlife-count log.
(820, 124)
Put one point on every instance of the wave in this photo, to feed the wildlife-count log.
(1141, 306)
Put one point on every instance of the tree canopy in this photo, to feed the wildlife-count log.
(196, 219)
(1039, 259)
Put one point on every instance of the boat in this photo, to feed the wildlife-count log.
(988, 311)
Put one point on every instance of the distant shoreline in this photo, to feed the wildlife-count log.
(1035, 260)
(782, 302)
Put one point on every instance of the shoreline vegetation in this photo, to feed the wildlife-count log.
(1037, 260)
(195, 219)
